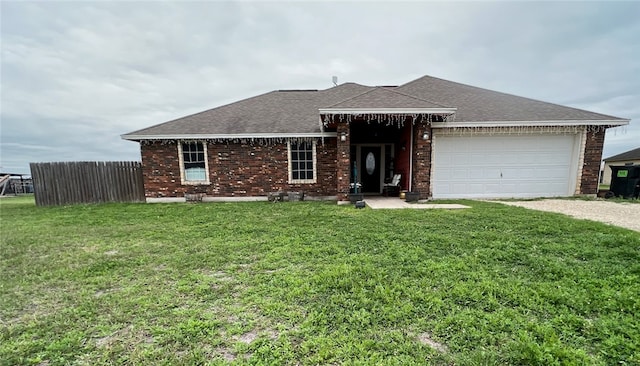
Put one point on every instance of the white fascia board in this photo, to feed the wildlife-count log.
(387, 110)
(229, 136)
(453, 124)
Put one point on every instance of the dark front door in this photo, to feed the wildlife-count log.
(370, 168)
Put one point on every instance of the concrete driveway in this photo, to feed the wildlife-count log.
(621, 214)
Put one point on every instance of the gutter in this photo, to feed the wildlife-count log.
(442, 110)
(612, 122)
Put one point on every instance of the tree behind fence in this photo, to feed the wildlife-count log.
(87, 182)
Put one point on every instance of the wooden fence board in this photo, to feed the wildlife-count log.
(69, 183)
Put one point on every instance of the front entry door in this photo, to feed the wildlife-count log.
(370, 168)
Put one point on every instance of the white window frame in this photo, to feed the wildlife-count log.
(183, 175)
(315, 165)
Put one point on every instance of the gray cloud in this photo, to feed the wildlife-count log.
(76, 75)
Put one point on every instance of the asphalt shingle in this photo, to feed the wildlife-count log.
(283, 111)
(479, 105)
(297, 111)
(385, 97)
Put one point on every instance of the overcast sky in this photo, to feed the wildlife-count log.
(77, 75)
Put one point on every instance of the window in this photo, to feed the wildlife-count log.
(193, 163)
(302, 162)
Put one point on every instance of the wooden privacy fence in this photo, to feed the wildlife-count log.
(87, 182)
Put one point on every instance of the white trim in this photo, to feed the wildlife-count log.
(185, 182)
(577, 160)
(581, 146)
(315, 166)
(441, 110)
(509, 130)
(434, 143)
(229, 136)
(454, 124)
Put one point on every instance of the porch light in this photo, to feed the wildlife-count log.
(343, 137)
(425, 136)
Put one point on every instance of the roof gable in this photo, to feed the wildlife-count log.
(477, 104)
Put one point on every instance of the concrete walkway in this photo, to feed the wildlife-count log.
(395, 203)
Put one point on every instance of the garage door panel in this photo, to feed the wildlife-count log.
(477, 159)
(512, 159)
(528, 158)
(459, 174)
(489, 173)
(509, 188)
(458, 186)
(503, 166)
(514, 173)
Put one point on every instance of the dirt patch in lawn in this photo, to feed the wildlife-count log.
(425, 338)
(127, 335)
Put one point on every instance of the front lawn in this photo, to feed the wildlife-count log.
(314, 283)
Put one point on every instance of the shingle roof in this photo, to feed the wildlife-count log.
(476, 104)
(282, 111)
(385, 97)
(297, 112)
(627, 155)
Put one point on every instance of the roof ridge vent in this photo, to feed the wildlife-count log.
(298, 90)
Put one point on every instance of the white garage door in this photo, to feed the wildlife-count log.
(501, 166)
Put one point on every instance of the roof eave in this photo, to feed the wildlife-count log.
(615, 122)
(620, 160)
(133, 137)
(387, 110)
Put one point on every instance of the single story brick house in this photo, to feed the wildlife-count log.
(630, 157)
(445, 139)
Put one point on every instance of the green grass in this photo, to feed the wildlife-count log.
(314, 283)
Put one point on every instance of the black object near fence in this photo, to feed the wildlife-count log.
(625, 181)
(68, 183)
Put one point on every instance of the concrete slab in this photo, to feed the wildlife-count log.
(392, 203)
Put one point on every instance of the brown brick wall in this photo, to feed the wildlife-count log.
(591, 166)
(343, 162)
(236, 170)
(160, 169)
(421, 160)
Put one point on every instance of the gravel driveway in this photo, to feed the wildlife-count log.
(625, 215)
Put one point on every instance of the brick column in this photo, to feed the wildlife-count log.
(591, 165)
(421, 159)
(343, 162)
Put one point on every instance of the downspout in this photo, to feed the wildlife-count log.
(411, 159)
